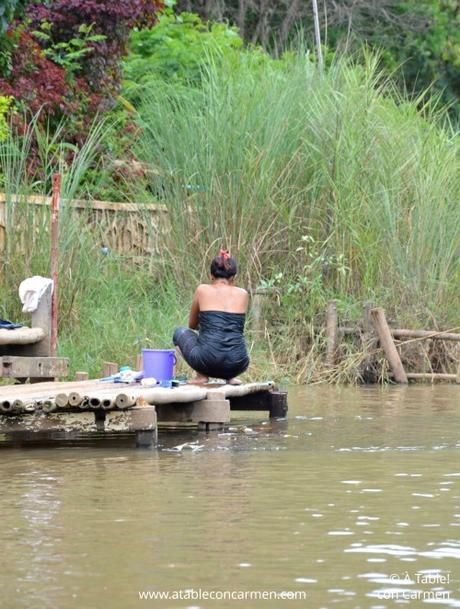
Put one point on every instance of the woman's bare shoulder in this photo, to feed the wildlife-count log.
(203, 287)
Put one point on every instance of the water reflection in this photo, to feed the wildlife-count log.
(351, 500)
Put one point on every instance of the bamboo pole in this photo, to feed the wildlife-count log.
(74, 398)
(55, 260)
(431, 376)
(6, 406)
(386, 340)
(21, 336)
(411, 334)
(457, 379)
(331, 332)
(62, 400)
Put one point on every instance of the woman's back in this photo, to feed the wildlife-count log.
(221, 297)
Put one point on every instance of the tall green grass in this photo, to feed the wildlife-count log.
(323, 186)
(109, 308)
(279, 157)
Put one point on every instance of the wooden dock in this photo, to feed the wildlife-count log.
(91, 408)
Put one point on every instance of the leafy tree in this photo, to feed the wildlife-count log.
(175, 48)
(112, 20)
(422, 36)
(8, 10)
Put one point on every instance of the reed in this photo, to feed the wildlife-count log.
(324, 185)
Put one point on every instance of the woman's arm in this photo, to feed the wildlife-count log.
(194, 311)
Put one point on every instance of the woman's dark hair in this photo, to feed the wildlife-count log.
(223, 266)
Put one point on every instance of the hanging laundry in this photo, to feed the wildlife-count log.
(31, 290)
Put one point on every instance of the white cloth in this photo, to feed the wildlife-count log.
(31, 290)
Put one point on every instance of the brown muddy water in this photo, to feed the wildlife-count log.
(353, 502)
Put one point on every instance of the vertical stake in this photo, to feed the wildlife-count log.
(331, 332)
(81, 376)
(319, 52)
(109, 368)
(55, 260)
(386, 340)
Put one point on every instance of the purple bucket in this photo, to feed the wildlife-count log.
(158, 363)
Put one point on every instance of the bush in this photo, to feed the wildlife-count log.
(176, 47)
(5, 103)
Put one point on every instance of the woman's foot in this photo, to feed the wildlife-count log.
(234, 381)
(200, 379)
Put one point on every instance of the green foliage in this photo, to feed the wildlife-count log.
(5, 103)
(421, 36)
(426, 56)
(176, 48)
(8, 10)
(323, 186)
(69, 53)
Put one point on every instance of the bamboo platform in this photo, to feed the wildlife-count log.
(90, 408)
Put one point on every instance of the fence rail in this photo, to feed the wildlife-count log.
(128, 228)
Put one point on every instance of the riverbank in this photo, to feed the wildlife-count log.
(324, 186)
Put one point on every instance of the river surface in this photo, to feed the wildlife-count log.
(353, 502)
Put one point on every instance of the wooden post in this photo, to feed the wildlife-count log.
(368, 326)
(55, 259)
(386, 340)
(81, 376)
(146, 438)
(139, 362)
(257, 307)
(278, 404)
(331, 332)
(42, 318)
(457, 380)
(109, 368)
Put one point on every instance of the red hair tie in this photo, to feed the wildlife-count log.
(224, 254)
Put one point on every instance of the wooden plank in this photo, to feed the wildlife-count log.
(83, 204)
(273, 402)
(386, 340)
(53, 388)
(135, 419)
(21, 336)
(211, 411)
(25, 367)
(244, 389)
(35, 422)
(174, 412)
